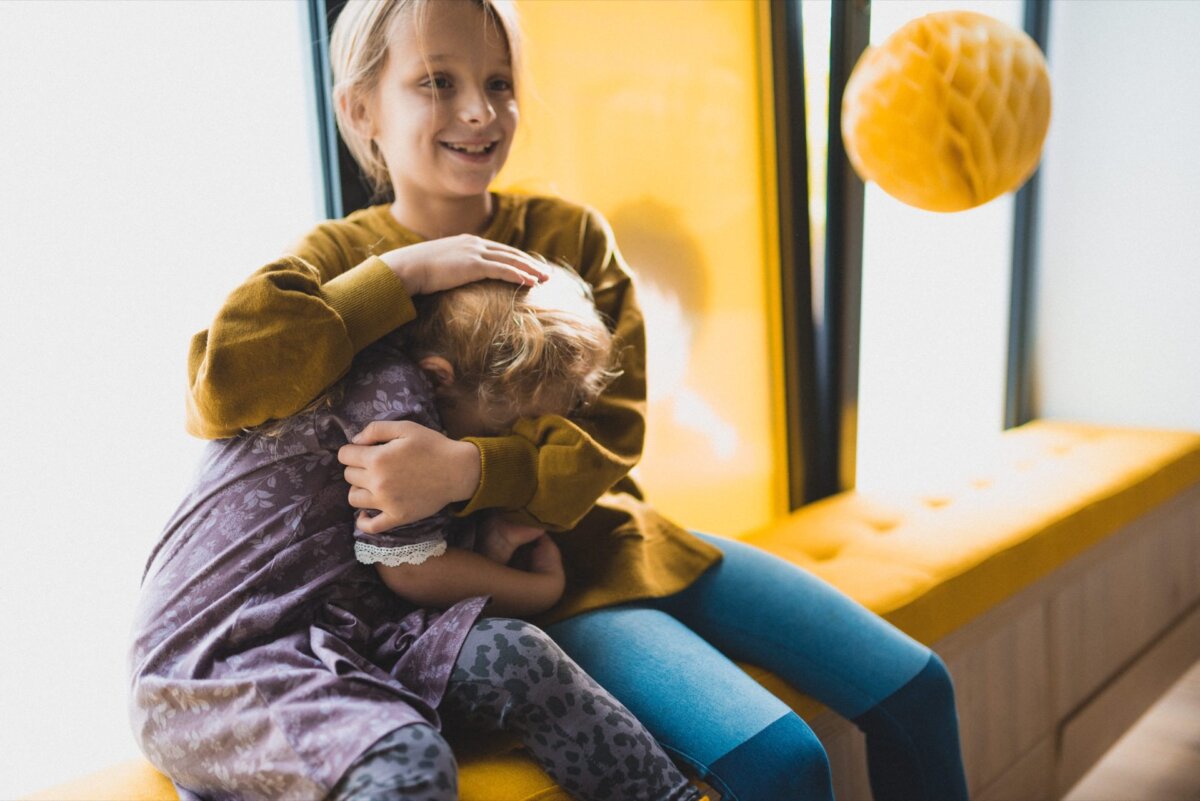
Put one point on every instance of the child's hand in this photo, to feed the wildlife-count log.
(546, 561)
(456, 260)
(546, 557)
(500, 538)
(406, 471)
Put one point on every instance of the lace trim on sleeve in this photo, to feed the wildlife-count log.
(414, 554)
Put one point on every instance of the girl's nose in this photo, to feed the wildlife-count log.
(476, 109)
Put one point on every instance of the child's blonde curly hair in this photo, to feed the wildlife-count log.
(515, 347)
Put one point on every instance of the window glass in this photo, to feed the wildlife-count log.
(934, 315)
(153, 155)
(815, 16)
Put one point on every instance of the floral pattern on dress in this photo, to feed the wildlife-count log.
(265, 657)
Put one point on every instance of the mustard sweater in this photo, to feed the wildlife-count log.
(293, 327)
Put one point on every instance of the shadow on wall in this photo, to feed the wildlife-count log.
(663, 252)
(673, 289)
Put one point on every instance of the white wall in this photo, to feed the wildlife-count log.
(1118, 295)
(152, 154)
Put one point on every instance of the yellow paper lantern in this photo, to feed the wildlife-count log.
(948, 113)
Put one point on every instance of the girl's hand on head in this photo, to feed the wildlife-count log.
(407, 472)
(456, 260)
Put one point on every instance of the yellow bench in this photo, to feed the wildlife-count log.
(1059, 579)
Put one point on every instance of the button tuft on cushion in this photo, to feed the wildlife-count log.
(826, 556)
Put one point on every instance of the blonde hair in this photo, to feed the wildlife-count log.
(358, 54)
(544, 347)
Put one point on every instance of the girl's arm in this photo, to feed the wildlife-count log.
(550, 470)
(457, 574)
(287, 333)
(292, 329)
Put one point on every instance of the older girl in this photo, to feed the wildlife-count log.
(426, 101)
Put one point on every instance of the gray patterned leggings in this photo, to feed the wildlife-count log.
(511, 676)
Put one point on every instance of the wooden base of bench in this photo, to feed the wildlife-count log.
(1048, 680)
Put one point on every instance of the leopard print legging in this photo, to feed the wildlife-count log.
(511, 676)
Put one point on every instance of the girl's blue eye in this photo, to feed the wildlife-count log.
(436, 82)
(500, 85)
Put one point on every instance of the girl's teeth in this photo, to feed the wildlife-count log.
(474, 150)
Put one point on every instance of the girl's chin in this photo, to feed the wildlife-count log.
(471, 188)
(454, 184)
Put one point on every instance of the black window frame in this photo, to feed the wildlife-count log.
(1018, 389)
(345, 187)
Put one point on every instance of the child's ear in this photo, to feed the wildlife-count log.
(439, 370)
(355, 109)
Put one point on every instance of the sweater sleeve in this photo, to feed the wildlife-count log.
(287, 333)
(551, 470)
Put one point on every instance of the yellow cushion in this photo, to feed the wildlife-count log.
(930, 563)
(510, 775)
(129, 781)
(927, 562)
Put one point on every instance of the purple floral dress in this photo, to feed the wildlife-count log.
(266, 656)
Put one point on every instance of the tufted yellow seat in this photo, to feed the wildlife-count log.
(509, 775)
(930, 563)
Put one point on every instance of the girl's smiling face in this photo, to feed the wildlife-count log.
(445, 112)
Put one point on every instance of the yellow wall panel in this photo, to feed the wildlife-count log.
(653, 112)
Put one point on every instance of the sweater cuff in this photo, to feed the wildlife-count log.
(371, 301)
(507, 475)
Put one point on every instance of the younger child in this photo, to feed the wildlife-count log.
(269, 660)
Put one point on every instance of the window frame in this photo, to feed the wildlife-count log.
(1018, 390)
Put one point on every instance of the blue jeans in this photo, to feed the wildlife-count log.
(670, 661)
